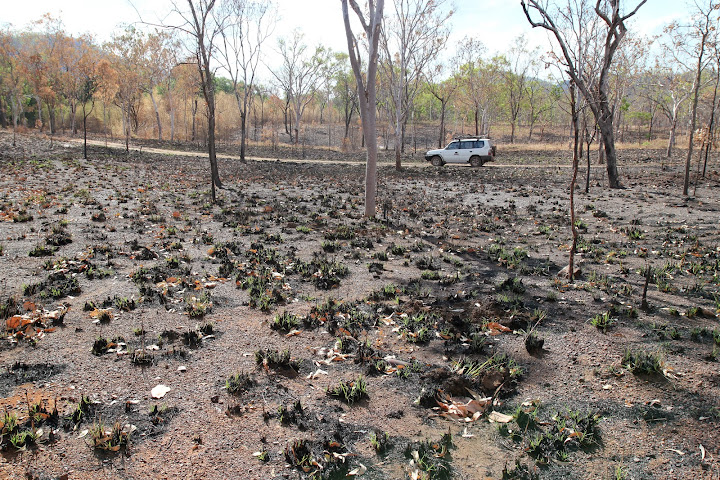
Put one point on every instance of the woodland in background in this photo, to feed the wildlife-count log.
(145, 84)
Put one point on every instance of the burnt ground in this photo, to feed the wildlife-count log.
(301, 340)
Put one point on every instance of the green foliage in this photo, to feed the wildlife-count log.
(603, 321)
(238, 383)
(272, 358)
(432, 457)
(553, 438)
(285, 322)
(380, 441)
(349, 392)
(642, 361)
(112, 440)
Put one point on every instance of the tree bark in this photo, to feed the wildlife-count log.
(3, 120)
(441, 138)
(84, 132)
(157, 114)
(575, 160)
(367, 92)
(711, 123)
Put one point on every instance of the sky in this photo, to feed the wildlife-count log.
(496, 22)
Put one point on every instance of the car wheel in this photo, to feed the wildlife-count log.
(476, 161)
(437, 161)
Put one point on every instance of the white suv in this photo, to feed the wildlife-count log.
(473, 150)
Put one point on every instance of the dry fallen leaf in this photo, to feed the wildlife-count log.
(357, 471)
(159, 391)
(499, 417)
(316, 374)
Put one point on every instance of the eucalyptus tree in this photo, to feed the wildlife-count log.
(371, 22)
(517, 79)
(249, 24)
(411, 38)
(442, 89)
(691, 46)
(299, 75)
(571, 23)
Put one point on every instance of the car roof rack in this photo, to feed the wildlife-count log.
(468, 137)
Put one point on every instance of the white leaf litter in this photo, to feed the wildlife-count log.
(159, 391)
(357, 471)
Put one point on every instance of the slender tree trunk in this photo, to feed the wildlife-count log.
(3, 120)
(443, 104)
(693, 121)
(711, 123)
(532, 126)
(398, 141)
(51, 118)
(211, 151)
(477, 126)
(105, 122)
(157, 113)
(243, 136)
(38, 102)
(126, 123)
(575, 160)
(298, 114)
(14, 109)
(85, 115)
(73, 115)
(172, 123)
(194, 123)
(671, 138)
(587, 178)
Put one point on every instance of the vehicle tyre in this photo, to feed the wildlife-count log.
(437, 161)
(476, 161)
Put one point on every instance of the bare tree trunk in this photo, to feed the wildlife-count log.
(172, 124)
(38, 102)
(575, 160)
(671, 139)
(126, 126)
(693, 121)
(73, 115)
(243, 135)
(14, 109)
(443, 104)
(366, 91)
(711, 123)
(610, 154)
(51, 119)
(105, 123)
(194, 109)
(3, 120)
(84, 133)
(398, 141)
(157, 114)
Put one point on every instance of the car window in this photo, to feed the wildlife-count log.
(479, 144)
(453, 146)
(466, 145)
